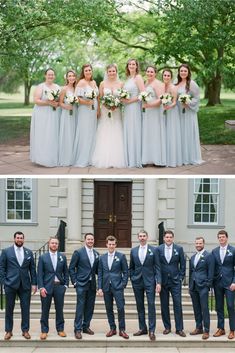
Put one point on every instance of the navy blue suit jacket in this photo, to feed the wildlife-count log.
(224, 272)
(80, 269)
(46, 272)
(117, 276)
(175, 269)
(202, 275)
(150, 271)
(12, 274)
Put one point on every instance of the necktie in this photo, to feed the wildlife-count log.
(110, 260)
(53, 257)
(19, 256)
(196, 259)
(222, 254)
(168, 254)
(142, 254)
(91, 257)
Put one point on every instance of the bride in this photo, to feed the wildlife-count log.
(109, 147)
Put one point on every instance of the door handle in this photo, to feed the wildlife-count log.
(110, 218)
(115, 219)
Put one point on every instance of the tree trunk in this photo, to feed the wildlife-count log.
(213, 90)
(27, 89)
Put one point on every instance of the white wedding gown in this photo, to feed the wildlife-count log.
(109, 147)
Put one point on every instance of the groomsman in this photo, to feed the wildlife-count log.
(201, 272)
(173, 266)
(112, 280)
(145, 276)
(18, 275)
(83, 269)
(224, 283)
(53, 279)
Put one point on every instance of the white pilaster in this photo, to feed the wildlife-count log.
(74, 210)
(150, 208)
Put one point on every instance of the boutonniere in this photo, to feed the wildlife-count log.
(176, 252)
(201, 257)
(229, 253)
(96, 255)
(150, 252)
(116, 258)
(61, 258)
(26, 252)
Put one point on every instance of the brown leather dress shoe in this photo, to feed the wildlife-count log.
(8, 336)
(219, 332)
(88, 331)
(43, 336)
(181, 333)
(26, 335)
(197, 331)
(152, 336)
(123, 334)
(111, 333)
(205, 335)
(62, 334)
(231, 335)
(78, 335)
(140, 333)
(166, 331)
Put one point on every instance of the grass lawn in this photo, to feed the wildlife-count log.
(15, 121)
(211, 123)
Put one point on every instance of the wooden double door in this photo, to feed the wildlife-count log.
(112, 212)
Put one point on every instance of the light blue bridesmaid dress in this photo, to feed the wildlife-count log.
(67, 133)
(44, 132)
(154, 134)
(173, 138)
(85, 131)
(191, 149)
(132, 126)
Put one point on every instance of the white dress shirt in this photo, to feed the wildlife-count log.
(142, 253)
(197, 257)
(90, 254)
(110, 259)
(53, 256)
(222, 252)
(19, 251)
(168, 252)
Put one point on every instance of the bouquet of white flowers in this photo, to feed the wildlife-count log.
(144, 97)
(110, 101)
(166, 99)
(184, 99)
(71, 99)
(123, 93)
(53, 95)
(91, 95)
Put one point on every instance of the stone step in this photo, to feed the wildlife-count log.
(99, 340)
(99, 313)
(99, 305)
(128, 297)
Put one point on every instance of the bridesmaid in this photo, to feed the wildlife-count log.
(154, 134)
(172, 123)
(67, 121)
(44, 130)
(87, 118)
(132, 115)
(191, 148)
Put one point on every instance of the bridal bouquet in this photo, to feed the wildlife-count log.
(71, 99)
(123, 93)
(184, 99)
(110, 101)
(144, 97)
(91, 95)
(166, 99)
(53, 95)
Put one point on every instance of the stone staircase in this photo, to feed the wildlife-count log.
(100, 325)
